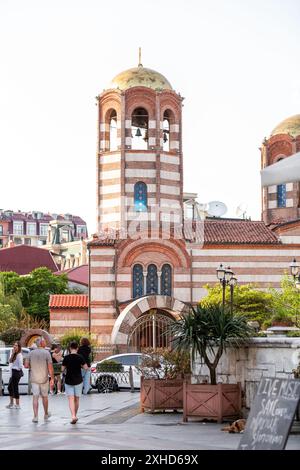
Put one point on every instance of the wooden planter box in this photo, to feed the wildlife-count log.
(161, 394)
(217, 402)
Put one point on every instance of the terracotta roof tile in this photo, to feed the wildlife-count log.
(68, 301)
(103, 242)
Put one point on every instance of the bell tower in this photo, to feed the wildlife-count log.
(139, 150)
(281, 203)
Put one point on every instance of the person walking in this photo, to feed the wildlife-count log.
(73, 363)
(40, 363)
(85, 351)
(57, 358)
(16, 366)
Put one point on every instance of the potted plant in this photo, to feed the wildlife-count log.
(206, 331)
(162, 375)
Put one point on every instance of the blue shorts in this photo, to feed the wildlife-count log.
(73, 390)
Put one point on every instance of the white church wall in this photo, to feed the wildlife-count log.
(263, 357)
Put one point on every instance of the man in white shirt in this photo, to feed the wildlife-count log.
(40, 363)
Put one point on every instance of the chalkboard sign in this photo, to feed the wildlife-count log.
(271, 415)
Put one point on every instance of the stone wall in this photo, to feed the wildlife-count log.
(262, 357)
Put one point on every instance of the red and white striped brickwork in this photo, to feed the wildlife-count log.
(275, 148)
(119, 170)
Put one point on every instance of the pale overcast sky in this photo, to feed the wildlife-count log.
(236, 62)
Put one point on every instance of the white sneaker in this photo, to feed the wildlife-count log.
(46, 417)
(35, 419)
(58, 393)
(17, 407)
(10, 406)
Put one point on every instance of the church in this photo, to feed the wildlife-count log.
(153, 253)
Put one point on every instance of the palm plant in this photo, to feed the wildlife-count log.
(207, 331)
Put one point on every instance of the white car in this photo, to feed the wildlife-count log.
(109, 381)
(4, 365)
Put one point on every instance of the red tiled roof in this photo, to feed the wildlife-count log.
(103, 242)
(68, 301)
(237, 231)
(80, 274)
(23, 259)
(281, 222)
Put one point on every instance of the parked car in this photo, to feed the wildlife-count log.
(108, 382)
(4, 365)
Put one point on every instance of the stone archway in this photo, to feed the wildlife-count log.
(126, 320)
(32, 334)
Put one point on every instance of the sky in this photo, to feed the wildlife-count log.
(236, 62)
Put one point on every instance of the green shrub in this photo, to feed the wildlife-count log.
(164, 363)
(266, 324)
(109, 366)
(11, 335)
(260, 334)
(76, 335)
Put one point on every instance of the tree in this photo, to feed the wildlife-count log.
(208, 331)
(7, 317)
(34, 290)
(256, 305)
(286, 301)
(39, 285)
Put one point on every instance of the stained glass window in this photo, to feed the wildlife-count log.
(140, 197)
(138, 281)
(166, 280)
(281, 195)
(152, 279)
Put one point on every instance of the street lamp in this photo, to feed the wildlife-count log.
(232, 282)
(226, 277)
(295, 268)
(295, 272)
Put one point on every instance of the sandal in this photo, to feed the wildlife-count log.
(74, 421)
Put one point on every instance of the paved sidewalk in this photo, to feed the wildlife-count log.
(110, 421)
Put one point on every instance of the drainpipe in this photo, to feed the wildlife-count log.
(191, 275)
(89, 291)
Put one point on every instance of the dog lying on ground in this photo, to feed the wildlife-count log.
(236, 426)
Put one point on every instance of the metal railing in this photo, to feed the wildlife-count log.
(119, 378)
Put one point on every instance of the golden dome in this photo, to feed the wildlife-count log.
(140, 76)
(290, 126)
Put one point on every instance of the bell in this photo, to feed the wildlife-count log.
(138, 132)
(165, 137)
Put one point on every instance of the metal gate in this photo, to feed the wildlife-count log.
(151, 330)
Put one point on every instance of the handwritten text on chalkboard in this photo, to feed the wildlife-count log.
(271, 414)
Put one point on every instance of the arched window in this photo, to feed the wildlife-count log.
(152, 279)
(140, 197)
(166, 131)
(137, 281)
(113, 141)
(166, 280)
(281, 195)
(139, 129)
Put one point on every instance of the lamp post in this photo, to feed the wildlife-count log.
(226, 277)
(295, 272)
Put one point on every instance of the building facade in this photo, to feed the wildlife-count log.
(281, 203)
(38, 229)
(153, 255)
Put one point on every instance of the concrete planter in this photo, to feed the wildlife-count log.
(161, 394)
(216, 402)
